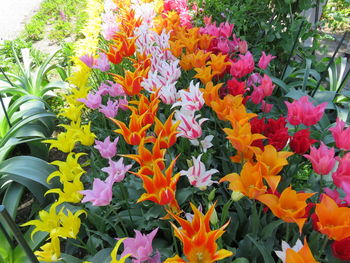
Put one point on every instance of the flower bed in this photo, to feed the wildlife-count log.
(190, 150)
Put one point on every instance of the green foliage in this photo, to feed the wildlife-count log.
(337, 14)
(58, 19)
(31, 81)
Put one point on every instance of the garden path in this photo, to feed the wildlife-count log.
(13, 16)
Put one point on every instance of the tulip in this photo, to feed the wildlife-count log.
(198, 175)
(301, 141)
(299, 253)
(304, 112)
(290, 206)
(107, 148)
(265, 60)
(92, 101)
(110, 110)
(199, 241)
(243, 66)
(100, 195)
(116, 171)
(322, 159)
(139, 247)
(341, 249)
(332, 220)
(341, 135)
(341, 177)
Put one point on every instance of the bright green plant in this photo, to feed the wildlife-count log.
(31, 81)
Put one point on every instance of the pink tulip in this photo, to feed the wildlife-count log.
(226, 29)
(304, 112)
(92, 101)
(107, 148)
(322, 159)
(100, 195)
(341, 177)
(102, 63)
(341, 135)
(110, 110)
(266, 107)
(140, 247)
(88, 60)
(265, 60)
(116, 171)
(243, 66)
(111, 88)
(262, 91)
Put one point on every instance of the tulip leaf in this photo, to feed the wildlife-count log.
(267, 257)
(240, 260)
(268, 229)
(103, 256)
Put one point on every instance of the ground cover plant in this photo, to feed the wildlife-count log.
(181, 148)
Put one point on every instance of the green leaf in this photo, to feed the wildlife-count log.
(267, 257)
(12, 198)
(28, 171)
(296, 94)
(225, 211)
(268, 229)
(240, 260)
(103, 256)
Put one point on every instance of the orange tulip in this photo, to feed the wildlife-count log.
(147, 107)
(176, 48)
(142, 61)
(231, 108)
(204, 41)
(160, 188)
(272, 163)
(131, 83)
(114, 54)
(128, 46)
(170, 22)
(191, 43)
(290, 206)
(211, 93)
(167, 132)
(128, 22)
(218, 64)
(333, 221)
(145, 158)
(304, 255)
(199, 241)
(249, 182)
(135, 132)
(186, 62)
(241, 139)
(200, 58)
(204, 74)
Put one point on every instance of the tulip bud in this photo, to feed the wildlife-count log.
(211, 195)
(214, 216)
(236, 196)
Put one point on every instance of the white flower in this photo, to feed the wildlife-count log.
(282, 254)
(197, 175)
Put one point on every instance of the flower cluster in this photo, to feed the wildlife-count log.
(168, 91)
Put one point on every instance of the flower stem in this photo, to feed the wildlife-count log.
(287, 233)
(255, 220)
(122, 189)
(323, 247)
